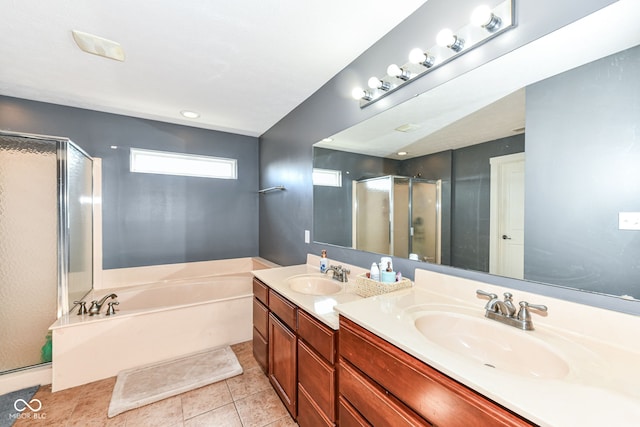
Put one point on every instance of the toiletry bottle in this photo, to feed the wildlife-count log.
(388, 275)
(375, 272)
(324, 262)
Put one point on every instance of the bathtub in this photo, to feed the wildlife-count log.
(153, 322)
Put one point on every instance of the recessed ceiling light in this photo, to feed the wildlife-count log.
(114, 147)
(98, 45)
(327, 140)
(190, 114)
(402, 153)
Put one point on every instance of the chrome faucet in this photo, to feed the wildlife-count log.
(339, 273)
(97, 305)
(505, 311)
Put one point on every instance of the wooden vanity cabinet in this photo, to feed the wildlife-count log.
(283, 350)
(386, 386)
(261, 324)
(299, 354)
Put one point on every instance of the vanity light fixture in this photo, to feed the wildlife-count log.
(446, 38)
(486, 23)
(394, 71)
(376, 83)
(418, 56)
(190, 114)
(482, 16)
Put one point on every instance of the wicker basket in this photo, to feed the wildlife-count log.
(366, 287)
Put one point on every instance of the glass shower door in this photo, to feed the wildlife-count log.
(28, 248)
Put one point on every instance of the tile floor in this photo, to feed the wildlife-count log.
(243, 401)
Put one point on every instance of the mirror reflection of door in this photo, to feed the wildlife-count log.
(506, 252)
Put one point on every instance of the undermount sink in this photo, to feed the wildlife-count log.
(492, 344)
(314, 284)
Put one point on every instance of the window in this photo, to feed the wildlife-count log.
(327, 177)
(165, 163)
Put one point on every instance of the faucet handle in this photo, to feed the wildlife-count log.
(493, 298)
(524, 314)
(486, 294)
(83, 307)
(110, 309)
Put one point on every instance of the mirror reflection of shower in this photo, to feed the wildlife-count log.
(46, 240)
(398, 215)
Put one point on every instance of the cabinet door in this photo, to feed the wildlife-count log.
(283, 362)
(318, 379)
(261, 350)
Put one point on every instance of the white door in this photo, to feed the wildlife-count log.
(506, 255)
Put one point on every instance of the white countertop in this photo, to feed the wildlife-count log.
(319, 306)
(601, 348)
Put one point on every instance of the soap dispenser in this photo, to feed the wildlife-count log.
(375, 272)
(324, 261)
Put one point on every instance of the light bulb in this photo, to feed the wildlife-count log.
(374, 83)
(394, 70)
(483, 17)
(446, 38)
(418, 56)
(358, 93)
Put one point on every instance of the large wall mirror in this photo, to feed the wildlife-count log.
(532, 161)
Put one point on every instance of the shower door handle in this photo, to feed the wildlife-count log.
(505, 237)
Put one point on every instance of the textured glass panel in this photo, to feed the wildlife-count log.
(28, 248)
(80, 227)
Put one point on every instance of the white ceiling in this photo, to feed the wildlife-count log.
(243, 65)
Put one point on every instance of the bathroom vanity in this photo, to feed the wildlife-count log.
(295, 338)
(429, 356)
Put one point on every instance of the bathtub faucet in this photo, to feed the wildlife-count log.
(97, 305)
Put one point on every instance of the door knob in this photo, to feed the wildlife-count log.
(505, 237)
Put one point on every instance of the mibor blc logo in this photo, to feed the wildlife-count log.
(35, 405)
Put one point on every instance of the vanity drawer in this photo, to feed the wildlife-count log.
(308, 413)
(433, 395)
(318, 378)
(261, 318)
(320, 337)
(282, 308)
(261, 291)
(373, 401)
(349, 416)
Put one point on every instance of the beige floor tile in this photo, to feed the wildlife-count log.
(205, 399)
(244, 353)
(260, 409)
(250, 382)
(167, 412)
(283, 422)
(56, 407)
(225, 416)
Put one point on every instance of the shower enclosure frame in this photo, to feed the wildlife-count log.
(62, 148)
(392, 229)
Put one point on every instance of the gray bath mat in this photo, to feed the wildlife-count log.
(12, 404)
(144, 385)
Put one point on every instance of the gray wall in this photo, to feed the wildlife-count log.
(156, 219)
(566, 138)
(332, 205)
(286, 154)
(471, 200)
